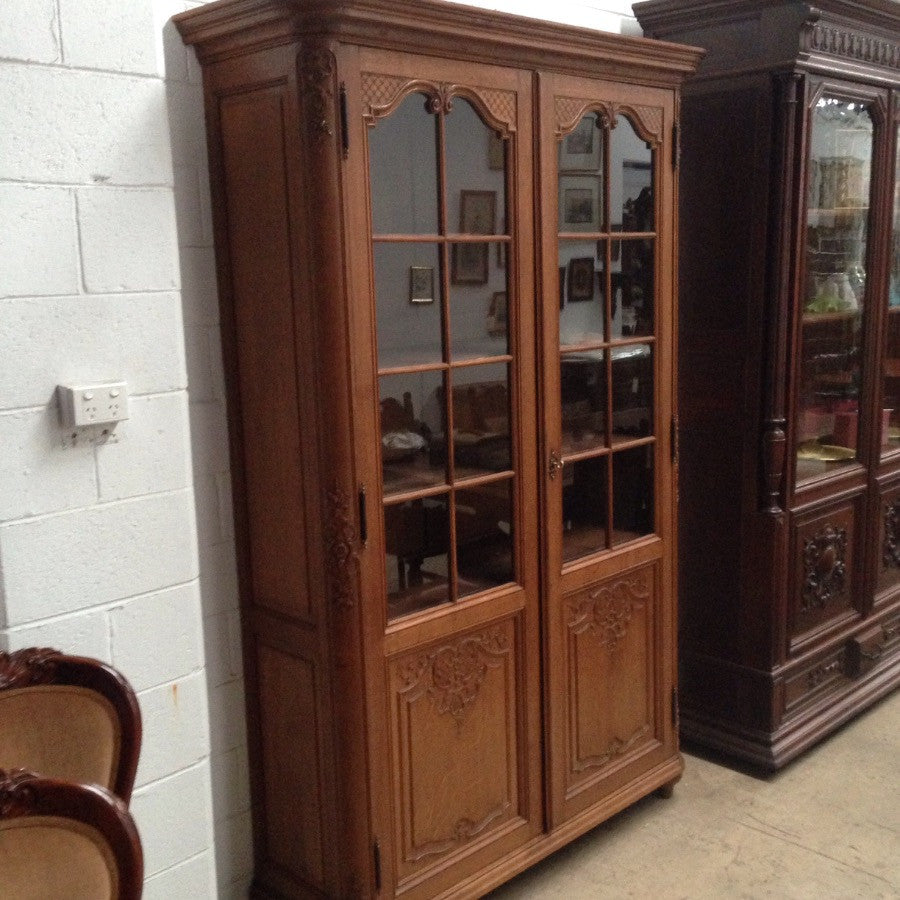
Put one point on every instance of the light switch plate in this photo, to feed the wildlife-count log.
(93, 404)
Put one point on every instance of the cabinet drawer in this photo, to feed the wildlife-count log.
(814, 681)
(824, 589)
(874, 646)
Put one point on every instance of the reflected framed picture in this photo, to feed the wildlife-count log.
(579, 203)
(421, 284)
(580, 279)
(581, 149)
(497, 316)
(477, 215)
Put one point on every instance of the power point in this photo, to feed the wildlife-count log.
(93, 404)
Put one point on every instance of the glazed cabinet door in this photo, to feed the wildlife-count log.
(608, 373)
(440, 158)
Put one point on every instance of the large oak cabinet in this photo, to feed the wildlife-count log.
(446, 261)
(790, 368)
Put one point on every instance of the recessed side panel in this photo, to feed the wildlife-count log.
(290, 765)
(455, 722)
(610, 630)
(887, 550)
(253, 142)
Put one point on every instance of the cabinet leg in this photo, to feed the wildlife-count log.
(666, 790)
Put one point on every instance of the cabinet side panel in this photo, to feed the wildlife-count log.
(715, 376)
(252, 128)
(291, 764)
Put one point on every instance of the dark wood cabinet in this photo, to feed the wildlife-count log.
(446, 257)
(789, 395)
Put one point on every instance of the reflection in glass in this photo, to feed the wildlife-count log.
(484, 536)
(632, 383)
(476, 177)
(409, 322)
(403, 171)
(417, 543)
(585, 507)
(839, 173)
(630, 179)
(632, 494)
(581, 177)
(413, 443)
(582, 311)
(479, 324)
(890, 435)
(584, 401)
(481, 426)
(633, 288)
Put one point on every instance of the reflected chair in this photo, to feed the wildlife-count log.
(65, 841)
(68, 717)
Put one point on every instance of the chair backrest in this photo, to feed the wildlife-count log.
(68, 717)
(65, 841)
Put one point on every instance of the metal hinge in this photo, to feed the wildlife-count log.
(675, 708)
(676, 145)
(673, 439)
(376, 859)
(345, 129)
(363, 519)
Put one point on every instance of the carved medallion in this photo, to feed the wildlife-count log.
(316, 68)
(24, 668)
(891, 549)
(647, 120)
(453, 674)
(825, 570)
(340, 540)
(607, 610)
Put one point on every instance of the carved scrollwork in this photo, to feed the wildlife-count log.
(607, 610)
(16, 792)
(616, 748)
(647, 120)
(825, 568)
(890, 556)
(850, 44)
(818, 675)
(340, 540)
(31, 666)
(464, 830)
(382, 94)
(316, 70)
(453, 674)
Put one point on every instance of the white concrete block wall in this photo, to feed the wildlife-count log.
(107, 271)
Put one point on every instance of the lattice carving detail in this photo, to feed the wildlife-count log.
(31, 666)
(854, 45)
(501, 105)
(340, 540)
(453, 674)
(607, 610)
(825, 568)
(380, 91)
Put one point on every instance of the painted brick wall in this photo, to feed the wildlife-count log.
(124, 550)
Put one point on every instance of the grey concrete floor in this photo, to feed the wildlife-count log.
(827, 826)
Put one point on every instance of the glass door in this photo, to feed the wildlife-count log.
(447, 449)
(608, 380)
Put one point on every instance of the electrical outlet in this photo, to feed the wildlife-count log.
(93, 404)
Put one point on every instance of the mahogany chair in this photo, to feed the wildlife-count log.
(68, 717)
(66, 841)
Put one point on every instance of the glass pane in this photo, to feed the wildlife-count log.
(630, 179)
(403, 171)
(832, 327)
(408, 304)
(417, 543)
(413, 443)
(585, 507)
(584, 401)
(581, 174)
(632, 493)
(890, 434)
(481, 433)
(582, 310)
(633, 288)
(476, 173)
(632, 377)
(478, 309)
(484, 537)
